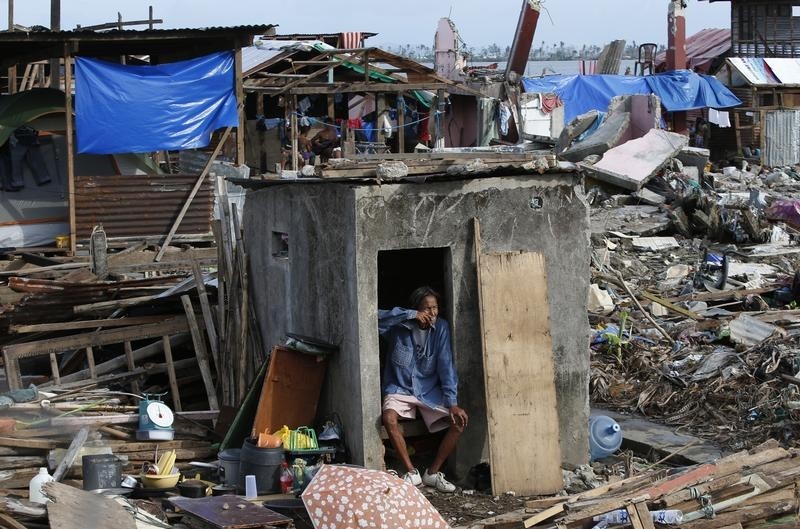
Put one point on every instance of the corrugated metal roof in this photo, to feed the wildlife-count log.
(264, 51)
(757, 71)
(702, 47)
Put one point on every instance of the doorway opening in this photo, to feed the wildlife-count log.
(400, 272)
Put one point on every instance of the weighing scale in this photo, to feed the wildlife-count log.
(155, 419)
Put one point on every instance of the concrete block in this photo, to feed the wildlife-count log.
(607, 136)
(575, 128)
(645, 196)
(694, 157)
(632, 164)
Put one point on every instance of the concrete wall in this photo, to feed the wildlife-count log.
(328, 286)
(439, 215)
(312, 291)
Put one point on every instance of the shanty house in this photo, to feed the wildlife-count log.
(61, 192)
(761, 28)
(331, 252)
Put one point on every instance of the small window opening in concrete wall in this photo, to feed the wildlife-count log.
(280, 245)
(400, 272)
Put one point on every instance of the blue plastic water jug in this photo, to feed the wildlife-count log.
(605, 436)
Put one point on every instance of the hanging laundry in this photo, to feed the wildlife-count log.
(550, 102)
(386, 125)
(504, 117)
(720, 118)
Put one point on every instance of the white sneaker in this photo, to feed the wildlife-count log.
(437, 480)
(413, 478)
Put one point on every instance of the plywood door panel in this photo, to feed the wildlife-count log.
(291, 390)
(520, 381)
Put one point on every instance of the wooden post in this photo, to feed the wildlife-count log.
(55, 25)
(240, 107)
(294, 133)
(70, 147)
(262, 153)
(90, 361)
(331, 107)
(189, 199)
(366, 66)
(401, 124)
(150, 21)
(380, 109)
(12, 70)
(439, 120)
(173, 381)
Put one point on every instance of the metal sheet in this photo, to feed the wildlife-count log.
(239, 513)
(782, 138)
(702, 47)
(786, 70)
(141, 205)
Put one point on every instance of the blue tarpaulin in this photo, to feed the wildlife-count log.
(679, 90)
(174, 106)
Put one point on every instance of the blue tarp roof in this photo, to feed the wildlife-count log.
(678, 90)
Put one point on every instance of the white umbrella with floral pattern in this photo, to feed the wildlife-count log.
(347, 497)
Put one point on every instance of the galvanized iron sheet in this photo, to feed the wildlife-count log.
(782, 138)
(141, 205)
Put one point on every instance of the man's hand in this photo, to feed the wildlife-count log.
(424, 319)
(459, 418)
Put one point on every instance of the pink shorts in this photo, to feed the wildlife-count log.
(406, 406)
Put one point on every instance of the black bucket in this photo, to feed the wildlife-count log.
(263, 463)
(293, 509)
(229, 466)
(101, 472)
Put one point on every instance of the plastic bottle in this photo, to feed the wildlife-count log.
(620, 516)
(35, 493)
(669, 516)
(605, 436)
(287, 478)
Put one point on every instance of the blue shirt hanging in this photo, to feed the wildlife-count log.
(174, 106)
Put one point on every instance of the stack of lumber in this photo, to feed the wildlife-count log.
(746, 489)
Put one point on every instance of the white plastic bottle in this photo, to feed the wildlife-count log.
(35, 493)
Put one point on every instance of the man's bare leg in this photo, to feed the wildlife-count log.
(446, 448)
(390, 418)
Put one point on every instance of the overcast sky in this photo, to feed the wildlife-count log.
(480, 22)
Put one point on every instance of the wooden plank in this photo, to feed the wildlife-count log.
(70, 147)
(127, 418)
(131, 366)
(72, 453)
(90, 361)
(200, 352)
(640, 516)
(73, 508)
(39, 444)
(237, 63)
(524, 445)
(173, 381)
(173, 325)
(113, 304)
(86, 324)
(56, 375)
(197, 185)
(546, 515)
(208, 317)
(7, 521)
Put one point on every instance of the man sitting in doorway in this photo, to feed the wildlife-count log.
(419, 375)
(325, 143)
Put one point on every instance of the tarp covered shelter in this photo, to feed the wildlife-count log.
(679, 90)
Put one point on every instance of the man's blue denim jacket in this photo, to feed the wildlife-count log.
(428, 373)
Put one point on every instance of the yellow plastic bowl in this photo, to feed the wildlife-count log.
(160, 482)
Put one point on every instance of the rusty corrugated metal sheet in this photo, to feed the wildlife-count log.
(141, 205)
(702, 47)
(782, 138)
